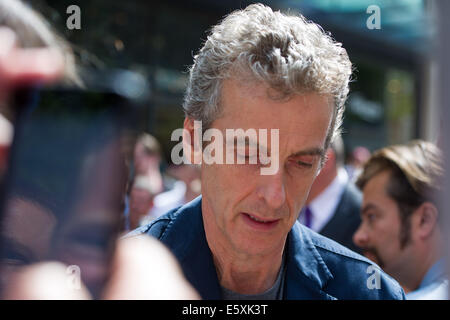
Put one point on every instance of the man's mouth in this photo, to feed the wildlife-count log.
(259, 222)
(372, 255)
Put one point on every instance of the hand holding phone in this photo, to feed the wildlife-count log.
(63, 197)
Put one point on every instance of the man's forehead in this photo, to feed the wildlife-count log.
(377, 183)
(256, 109)
(236, 88)
(303, 120)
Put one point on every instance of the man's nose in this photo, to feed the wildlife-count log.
(360, 238)
(273, 190)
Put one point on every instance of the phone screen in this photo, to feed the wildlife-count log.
(63, 194)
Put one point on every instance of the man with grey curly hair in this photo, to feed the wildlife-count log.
(287, 53)
(265, 70)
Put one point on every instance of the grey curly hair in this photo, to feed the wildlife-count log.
(287, 52)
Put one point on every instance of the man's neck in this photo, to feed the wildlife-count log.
(246, 274)
(410, 281)
(239, 271)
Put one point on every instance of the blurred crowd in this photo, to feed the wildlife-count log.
(152, 192)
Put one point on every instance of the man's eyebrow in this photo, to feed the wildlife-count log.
(247, 142)
(310, 152)
(244, 137)
(367, 207)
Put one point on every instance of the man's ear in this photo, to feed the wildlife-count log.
(192, 149)
(425, 219)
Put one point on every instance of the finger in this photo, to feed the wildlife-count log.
(24, 66)
(7, 41)
(144, 268)
(44, 281)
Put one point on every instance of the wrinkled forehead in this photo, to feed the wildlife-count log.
(251, 105)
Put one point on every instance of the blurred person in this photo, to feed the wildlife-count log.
(185, 189)
(190, 175)
(356, 160)
(241, 239)
(147, 160)
(334, 202)
(141, 202)
(400, 218)
(31, 53)
(146, 164)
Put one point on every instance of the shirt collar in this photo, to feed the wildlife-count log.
(325, 204)
(435, 273)
(303, 255)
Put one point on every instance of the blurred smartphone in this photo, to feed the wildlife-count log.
(63, 194)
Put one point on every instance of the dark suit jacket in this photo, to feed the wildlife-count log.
(316, 267)
(346, 218)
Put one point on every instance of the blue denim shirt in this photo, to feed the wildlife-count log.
(317, 267)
